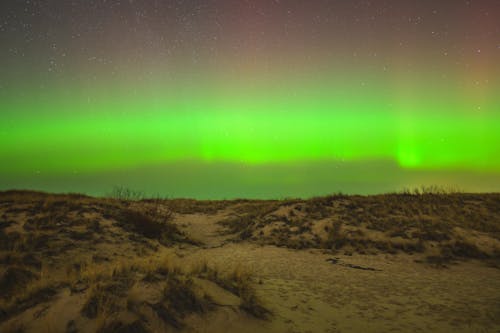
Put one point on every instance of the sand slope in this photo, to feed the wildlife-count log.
(402, 263)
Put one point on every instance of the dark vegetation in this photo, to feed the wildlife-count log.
(52, 233)
(418, 221)
(240, 283)
(51, 243)
(110, 294)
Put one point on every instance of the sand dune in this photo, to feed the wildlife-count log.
(399, 262)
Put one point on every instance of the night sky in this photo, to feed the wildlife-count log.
(259, 99)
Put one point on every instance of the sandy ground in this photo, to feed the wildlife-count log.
(308, 293)
(304, 289)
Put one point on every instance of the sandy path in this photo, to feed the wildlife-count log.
(203, 228)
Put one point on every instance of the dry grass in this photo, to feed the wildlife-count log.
(34, 293)
(109, 292)
(155, 227)
(180, 298)
(238, 281)
(65, 230)
(126, 194)
(14, 327)
(108, 296)
(249, 215)
(412, 222)
(51, 243)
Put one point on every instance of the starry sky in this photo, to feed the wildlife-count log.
(259, 99)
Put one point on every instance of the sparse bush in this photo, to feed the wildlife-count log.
(462, 249)
(33, 294)
(238, 282)
(335, 239)
(14, 279)
(430, 189)
(157, 227)
(127, 194)
(179, 295)
(108, 296)
(240, 224)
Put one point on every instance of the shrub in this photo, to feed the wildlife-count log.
(124, 193)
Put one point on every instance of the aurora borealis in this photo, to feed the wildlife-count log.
(221, 99)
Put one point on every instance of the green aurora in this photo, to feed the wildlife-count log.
(273, 126)
(61, 133)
